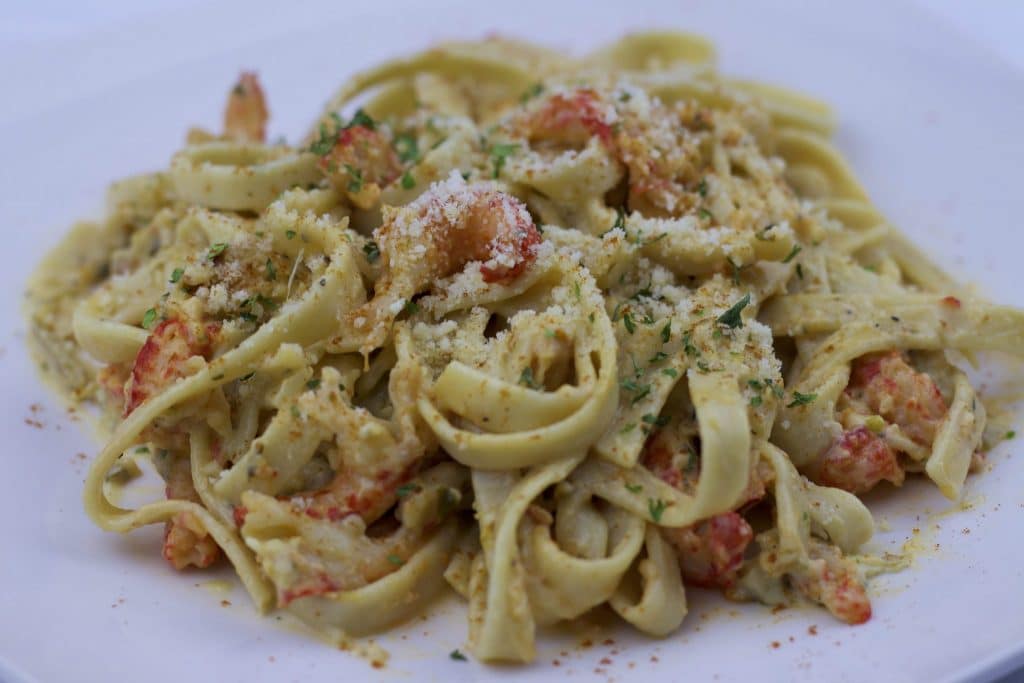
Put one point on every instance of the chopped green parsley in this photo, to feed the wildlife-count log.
(731, 318)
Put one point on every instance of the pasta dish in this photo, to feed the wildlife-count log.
(553, 332)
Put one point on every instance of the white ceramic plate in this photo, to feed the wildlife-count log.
(930, 123)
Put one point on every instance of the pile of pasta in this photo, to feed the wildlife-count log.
(557, 333)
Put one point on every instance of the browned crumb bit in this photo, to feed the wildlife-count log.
(813, 629)
(377, 664)
(225, 603)
(609, 641)
(587, 643)
(605, 661)
(776, 645)
(555, 662)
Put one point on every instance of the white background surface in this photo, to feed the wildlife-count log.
(96, 90)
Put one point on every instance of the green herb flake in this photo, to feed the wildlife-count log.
(642, 392)
(736, 270)
(792, 254)
(670, 372)
(313, 384)
(271, 270)
(361, 118)
(628, 428)
(704, 214)
(499, 154)
(526, 378)
(531, 92)
(372, 251)
(149, 319)
(666, 332)
(355, 183)
(457, 656)
(142, 449)
(656, 420)
(295, 412)
(688, 348)
(800, 271)
(801, 399)
(323, 145)
(702, 188)
(634, 488)
(644, 291)
(248, 377)
(396, 560)
(407, 148)
(639, 390)
(408, 182)
(656, 507)
(756, 401)
(406, 490)
(1010, 434)
(763, 234)
(290, 234)
(216, 250)
(627, 320)
(620, 219)
(411, 307)
(658, 357)
(732, 318)
(638, 371)
(176, 275)
(776, 388)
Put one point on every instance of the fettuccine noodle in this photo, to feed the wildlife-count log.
(554, 332)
